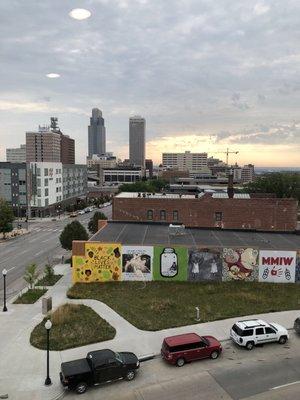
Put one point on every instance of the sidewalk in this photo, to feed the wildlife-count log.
(23, 368)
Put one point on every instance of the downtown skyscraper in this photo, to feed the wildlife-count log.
(137, 141)
(96, 133)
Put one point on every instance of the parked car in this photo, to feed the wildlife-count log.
(297, 325)
(248, 333)
(188, 347)
(73, 215)
(81, 212)
(98, 367)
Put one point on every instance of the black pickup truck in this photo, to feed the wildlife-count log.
(98, 367)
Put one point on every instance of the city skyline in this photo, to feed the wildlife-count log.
(218, 75)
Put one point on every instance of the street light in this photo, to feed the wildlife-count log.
(4, 272)
(48, 326)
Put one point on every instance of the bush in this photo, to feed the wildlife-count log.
(73, 231)
(31, 275)
(30, 297)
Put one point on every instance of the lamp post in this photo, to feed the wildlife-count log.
(48, 326)
(4, 272)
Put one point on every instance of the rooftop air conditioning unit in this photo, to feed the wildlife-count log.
(176, 230)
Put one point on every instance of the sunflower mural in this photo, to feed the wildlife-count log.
(102, 263)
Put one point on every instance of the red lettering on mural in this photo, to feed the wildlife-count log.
(277, 260)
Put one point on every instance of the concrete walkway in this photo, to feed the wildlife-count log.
(23, 368)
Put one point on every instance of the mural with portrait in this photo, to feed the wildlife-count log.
(240, 264)
(137, 263)
(277, 266)
(101, 263)
(170, 263)
(204, 264)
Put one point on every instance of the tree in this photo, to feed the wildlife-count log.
(93, 224)
(6, 217)
(283, 184)
(72, 231)
(31, 275)
(49, 272)
(151, 186)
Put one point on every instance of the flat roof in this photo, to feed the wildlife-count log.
(182, 339)
(132, 195)
(159, 234)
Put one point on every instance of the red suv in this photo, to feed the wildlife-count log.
(189, 347)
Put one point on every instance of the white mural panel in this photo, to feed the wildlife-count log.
(277, 266)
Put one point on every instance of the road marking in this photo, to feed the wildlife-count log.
(287, 384)
(11, 269)
(39, 252)
(46, 240)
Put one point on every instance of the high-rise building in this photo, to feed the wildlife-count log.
(16, 155)
(185, 161)
(137, 128)
(97, 134)
(248, 173)
(49, 144)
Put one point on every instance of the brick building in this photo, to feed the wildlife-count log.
(207, 210)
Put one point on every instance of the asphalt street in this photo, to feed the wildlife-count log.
(40, 246)
(269, 372)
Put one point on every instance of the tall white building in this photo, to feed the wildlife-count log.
(137, 140)
(186, 161)
(16, 155)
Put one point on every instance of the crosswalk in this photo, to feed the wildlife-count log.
(40, 229)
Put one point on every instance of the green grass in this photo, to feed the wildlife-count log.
(161, 305)
(48, 281)
(73, 325)
(30, 297)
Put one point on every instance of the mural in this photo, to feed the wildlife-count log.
(170, 263)
(277, 266)
(102, 263)
(137, 263)
(204, 265)
(297, 274)
(240, 264)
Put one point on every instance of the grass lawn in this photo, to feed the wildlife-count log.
(48, 281)
(162, 305)
(30, 297)
(73, 325)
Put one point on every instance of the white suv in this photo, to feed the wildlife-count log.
(250, 332)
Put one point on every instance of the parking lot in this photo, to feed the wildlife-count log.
(159, 234)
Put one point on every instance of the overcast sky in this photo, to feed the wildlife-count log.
(206, 74)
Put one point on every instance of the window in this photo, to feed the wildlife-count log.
(163, 215)
(46, 182)
(218, 216)
(175, 215)
(38, 182)
(46, 202)
(46, 192)
(46, 171)
(39, 192)
(269, 330)
(38, 172)
(150, 215)
(260, 331)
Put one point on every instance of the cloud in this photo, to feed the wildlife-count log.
(190, 67)
(261, 8)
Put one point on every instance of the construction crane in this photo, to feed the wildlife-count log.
(227, 152)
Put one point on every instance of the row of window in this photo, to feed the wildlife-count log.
(162, 215)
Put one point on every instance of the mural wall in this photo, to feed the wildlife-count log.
(137, 263)
(240, 264)
(103, 262)
(170, 263)
(277, 266)
(204, 265)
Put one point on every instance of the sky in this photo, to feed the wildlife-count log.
(206, 74)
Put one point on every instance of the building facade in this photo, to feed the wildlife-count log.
(13, 186)
(67, 150)
(120, 175)
(52, 186)
(16, 155)
(247, 173)
(186, 161)
(245, 212)
(96, 134)
(137, 141)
